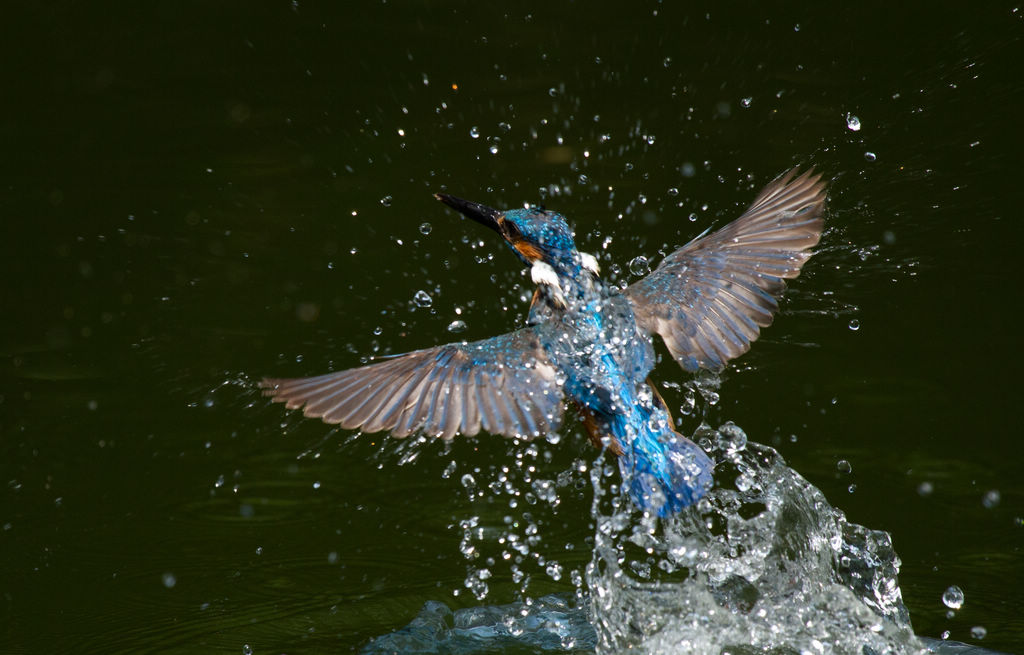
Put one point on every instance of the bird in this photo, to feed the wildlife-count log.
(589, 344)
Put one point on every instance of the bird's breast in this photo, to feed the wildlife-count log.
(599, 352)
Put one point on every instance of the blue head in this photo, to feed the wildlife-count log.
(533, 234)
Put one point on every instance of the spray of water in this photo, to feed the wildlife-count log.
(762, 564)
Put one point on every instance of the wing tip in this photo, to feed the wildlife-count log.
(270, 388)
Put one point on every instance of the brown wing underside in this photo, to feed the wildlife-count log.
(709, 299)
(502, 385)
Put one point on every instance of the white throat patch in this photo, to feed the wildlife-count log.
(542, 273)
(590, 262)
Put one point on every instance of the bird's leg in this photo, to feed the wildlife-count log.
(660, 402)
(598, 433)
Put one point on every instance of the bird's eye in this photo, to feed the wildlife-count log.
(511, 231)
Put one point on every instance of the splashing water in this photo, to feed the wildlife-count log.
(548, 624)
(762, 564)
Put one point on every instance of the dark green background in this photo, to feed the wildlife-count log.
(184, 185)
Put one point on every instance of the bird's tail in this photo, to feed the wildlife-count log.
(664, 470)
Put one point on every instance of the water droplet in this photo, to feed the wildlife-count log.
(746, 102)
(870, 156)
(673, 191)
(474, 132)
(978, 632)
(991, 498)
(386, 201)
(853, 123)
(953, 597)
(744, 482)
(925, 488)
(422, 299)
(247, 649)
(468, 481)
(667, 62)
(854, 324)
(426, 228)
(457, 326)
(639, 266)
(554, 570)
(169, 580)
(730, 438)
(493, 150)
(843, 466)
(448, 470)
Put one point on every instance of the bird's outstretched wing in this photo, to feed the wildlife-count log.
(709, 299)
(503, 385)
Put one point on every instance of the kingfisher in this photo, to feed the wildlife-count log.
(589, 343)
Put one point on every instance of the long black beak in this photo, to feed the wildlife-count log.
(480, 213)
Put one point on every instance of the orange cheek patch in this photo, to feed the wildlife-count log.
(528, 250)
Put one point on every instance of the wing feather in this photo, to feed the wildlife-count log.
(503, 385)
(469, 407)
(709, 299)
